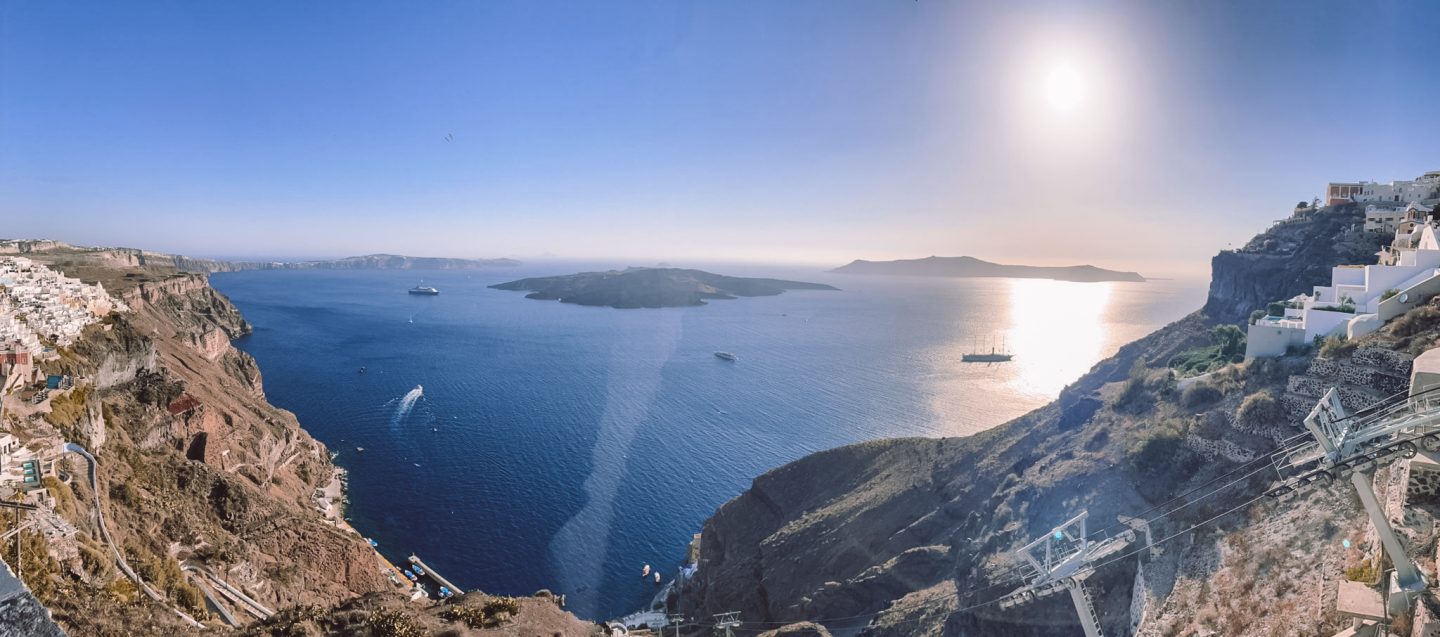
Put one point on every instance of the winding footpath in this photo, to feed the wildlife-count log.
(71, 447)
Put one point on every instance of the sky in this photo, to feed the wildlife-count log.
(1134, 135)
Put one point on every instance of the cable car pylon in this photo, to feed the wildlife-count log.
(1063, 559)
(1353, 446)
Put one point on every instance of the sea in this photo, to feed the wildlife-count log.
(518, 445)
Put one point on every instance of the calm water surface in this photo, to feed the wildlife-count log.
(562, 447)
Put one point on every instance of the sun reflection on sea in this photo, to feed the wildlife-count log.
(1057, 330)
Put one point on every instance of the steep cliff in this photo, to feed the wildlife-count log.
(1291, 257)
(913, 536)
(195, 468)
(201, 484)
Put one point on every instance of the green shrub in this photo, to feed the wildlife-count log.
(1227, 346)
(1260, 408)
(1256, 316)
(1199, 395)
(1335, 346)
(1276, 308)
(1388, 293)
(394, 623)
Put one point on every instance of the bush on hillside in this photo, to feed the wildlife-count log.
(1227, 346)
(1260, 408)
(1199, 395)
(1335, 346)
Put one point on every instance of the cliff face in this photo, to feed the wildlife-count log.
(913, 536)
(1288, 259)
(195, 467)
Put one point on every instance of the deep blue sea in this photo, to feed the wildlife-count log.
(563, 447)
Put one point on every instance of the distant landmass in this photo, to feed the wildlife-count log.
(366, 262)
(972, 267)
(650, 287)
(131, 256)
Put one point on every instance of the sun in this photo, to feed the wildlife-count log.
(1064, 88)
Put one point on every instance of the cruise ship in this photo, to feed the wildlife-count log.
(425, 290)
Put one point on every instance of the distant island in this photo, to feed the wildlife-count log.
(366, 262)
(146, 258)
(650, 287)
(972, 267)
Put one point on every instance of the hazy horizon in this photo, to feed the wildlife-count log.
(1126, 135)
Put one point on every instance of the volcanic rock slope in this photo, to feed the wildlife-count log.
(913, 536)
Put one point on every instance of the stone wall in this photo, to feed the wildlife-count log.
(1223, 448)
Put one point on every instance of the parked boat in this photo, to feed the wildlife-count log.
(645, 572)
(657, 577)
(726, 356)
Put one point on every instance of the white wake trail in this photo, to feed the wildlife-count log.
(406, 404)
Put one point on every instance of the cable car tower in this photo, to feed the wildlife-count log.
(1353, 446)
(1064, 558)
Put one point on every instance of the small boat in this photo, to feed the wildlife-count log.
(417, 570)
(359, 450)
(424, 290)
(657, 577)
(726, 356)
(645, 572)
(362, 370)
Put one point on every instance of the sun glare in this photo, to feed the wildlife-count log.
(1064, 88)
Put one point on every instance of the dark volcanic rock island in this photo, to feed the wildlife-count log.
(650, 287)
(972, 267)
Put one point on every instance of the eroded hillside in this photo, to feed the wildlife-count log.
(907, 537)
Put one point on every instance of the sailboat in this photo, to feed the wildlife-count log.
(1000, 355)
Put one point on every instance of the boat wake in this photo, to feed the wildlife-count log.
(406, 404)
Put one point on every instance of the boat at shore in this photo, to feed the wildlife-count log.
(726, 356)
(423, 290)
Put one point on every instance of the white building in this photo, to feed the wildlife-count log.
(1389, 218)
(39, 305)
(1359, 299)
(1422, 188)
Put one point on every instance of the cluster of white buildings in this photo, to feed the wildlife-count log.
(1361, 298)
(39, 306)
(1396, 192)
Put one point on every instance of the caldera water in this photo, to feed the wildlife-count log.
(517, 444)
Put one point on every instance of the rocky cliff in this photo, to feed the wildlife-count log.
(1291, 257)
(200, 480)
(905, 537)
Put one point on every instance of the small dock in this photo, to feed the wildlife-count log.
(430, 573)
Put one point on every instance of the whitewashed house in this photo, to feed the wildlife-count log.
(1359, 299)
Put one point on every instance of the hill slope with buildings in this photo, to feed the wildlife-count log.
(916, 536)
(171, 495)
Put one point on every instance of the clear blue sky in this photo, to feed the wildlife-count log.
(815, 131)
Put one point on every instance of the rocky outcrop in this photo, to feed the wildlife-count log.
(914, 536)
(1290, 258)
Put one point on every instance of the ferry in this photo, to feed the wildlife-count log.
(727, 356)
(424, 290)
